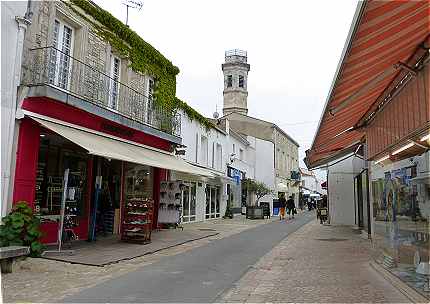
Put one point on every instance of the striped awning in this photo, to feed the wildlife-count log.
(386, 37)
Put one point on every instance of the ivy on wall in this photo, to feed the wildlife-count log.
(144, 58)
(193, 114)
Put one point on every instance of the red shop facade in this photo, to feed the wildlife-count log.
(43, 154)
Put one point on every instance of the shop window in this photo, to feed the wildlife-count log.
(57, 154)
(401, 213)
(208, 202)
(139, 181)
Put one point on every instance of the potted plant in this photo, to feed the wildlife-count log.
(21, 228)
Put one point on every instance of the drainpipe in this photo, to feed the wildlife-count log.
(22, 23)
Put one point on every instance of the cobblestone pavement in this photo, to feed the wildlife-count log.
(41, 280)
(315, 264)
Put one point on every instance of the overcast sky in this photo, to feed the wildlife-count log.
(293, 49)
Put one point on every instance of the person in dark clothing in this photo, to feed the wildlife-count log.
(105, 205)
(282, 205)
(291, 207)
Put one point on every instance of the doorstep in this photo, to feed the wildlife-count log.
(404, 288)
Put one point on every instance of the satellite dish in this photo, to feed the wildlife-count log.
(216, 115)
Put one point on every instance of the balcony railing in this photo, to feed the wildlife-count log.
(235, 52)
(53, 67)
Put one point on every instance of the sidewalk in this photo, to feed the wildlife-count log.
(42, 280)
(316, 264)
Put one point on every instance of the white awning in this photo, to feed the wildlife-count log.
(116, 148)
(306, 192)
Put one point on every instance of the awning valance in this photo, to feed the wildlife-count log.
(116, 148)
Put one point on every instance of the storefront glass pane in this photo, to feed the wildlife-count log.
(139, 181)
(193, 199)
(217, 200)
(208, 201)
(213, 201)
(401, 210)
(57, 154)
(186, 201)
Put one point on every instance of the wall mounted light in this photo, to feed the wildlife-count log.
(382, 159)
(405, 147)
(426, 137)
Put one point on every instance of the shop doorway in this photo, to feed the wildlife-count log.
(212, 202)
(189, 202)
(361, 198)
(105, 215)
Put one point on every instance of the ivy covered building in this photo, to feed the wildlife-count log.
(96, 107)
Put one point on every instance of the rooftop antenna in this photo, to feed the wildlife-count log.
(133, 4)
(216, 114)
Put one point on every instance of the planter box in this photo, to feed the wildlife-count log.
(254, 212)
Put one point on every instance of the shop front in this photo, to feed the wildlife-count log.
(401, 214)
(96, 171)
(236, 193)
(201, 197)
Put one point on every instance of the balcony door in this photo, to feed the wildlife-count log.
(60, 64)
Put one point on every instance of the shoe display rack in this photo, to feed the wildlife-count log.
(136, 225)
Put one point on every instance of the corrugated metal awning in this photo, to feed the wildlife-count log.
(383, 34)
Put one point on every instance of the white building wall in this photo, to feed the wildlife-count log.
(342, 209)
(246, 163)
(13, 27)
(264, 166)
(192, 133)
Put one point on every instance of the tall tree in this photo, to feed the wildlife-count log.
(260, 189)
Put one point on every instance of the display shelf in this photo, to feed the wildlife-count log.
(136, 225)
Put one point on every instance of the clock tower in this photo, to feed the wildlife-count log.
(235, 69)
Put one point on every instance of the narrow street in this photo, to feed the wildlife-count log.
(289, 261)
(200, 275)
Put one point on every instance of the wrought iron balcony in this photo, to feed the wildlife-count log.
(52, 67)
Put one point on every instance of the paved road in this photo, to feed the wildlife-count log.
(199, 275)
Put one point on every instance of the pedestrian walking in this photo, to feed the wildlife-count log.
(291, 207)
(282, 205)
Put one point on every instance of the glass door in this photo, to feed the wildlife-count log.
(186, 204)
(189, 203)
(208, 202)
(217, 202)
(212, 201)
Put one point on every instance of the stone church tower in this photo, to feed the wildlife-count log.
(235, 71)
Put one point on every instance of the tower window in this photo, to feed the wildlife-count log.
(229, 81)
(241, 81)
